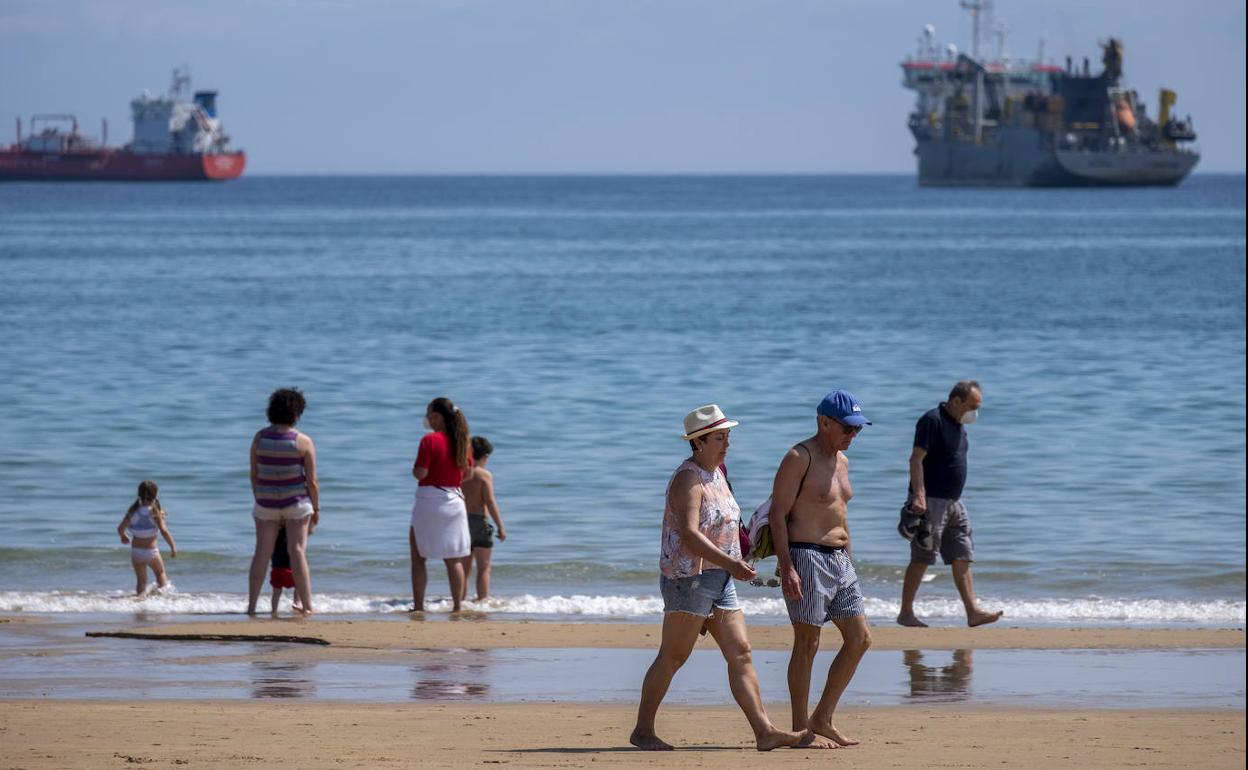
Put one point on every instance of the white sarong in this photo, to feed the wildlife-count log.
(440, 523)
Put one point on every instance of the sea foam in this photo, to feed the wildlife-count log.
(1093, 610)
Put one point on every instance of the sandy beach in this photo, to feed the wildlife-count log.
(57, 734)
(314, 733)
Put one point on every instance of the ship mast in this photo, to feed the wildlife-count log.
(975, 7)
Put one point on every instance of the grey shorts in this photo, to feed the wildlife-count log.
(701, 594)
(829, 585)
(951, 533)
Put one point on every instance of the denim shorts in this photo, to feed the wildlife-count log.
(701, 594)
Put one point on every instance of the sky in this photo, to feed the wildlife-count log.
(580, 86)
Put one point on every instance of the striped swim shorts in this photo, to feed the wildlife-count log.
(829, 585)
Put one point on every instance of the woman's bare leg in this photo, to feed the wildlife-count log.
(455, 576)
(266, 538)
(728, 630)
(680, 633)
(466, 564)
(297, 548)
(420, 576)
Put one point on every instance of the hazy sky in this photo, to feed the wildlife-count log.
(615, 86)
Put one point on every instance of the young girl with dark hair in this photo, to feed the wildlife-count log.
(145, 520)
(439, 528)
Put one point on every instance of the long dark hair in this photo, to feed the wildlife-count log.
(456, 430)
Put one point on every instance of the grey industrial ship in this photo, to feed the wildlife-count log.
(998, 121)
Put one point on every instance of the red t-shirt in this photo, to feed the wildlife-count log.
(435, 454)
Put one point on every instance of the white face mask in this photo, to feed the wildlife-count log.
(970, 417)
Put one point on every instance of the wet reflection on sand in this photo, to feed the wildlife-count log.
(275, 679)
(452, 675)
(939, 683)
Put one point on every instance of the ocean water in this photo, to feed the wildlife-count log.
(575, 321)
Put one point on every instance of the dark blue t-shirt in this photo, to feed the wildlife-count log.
(944, 465)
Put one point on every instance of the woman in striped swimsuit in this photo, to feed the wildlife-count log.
(283, 482)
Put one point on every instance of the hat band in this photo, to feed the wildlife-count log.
(708, 427)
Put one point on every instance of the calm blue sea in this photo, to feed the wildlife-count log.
(575, 321)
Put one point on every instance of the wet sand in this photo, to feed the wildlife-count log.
(57, 734)
(491, 634)
(315, 732)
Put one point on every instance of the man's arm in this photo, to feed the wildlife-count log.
(918, 497)
(784, 491)
(686, 496)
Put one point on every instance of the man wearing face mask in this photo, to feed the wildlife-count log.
(937, 475)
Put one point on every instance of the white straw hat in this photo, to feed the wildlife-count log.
(706, 419)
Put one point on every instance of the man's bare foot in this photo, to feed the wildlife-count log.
(649, 742)
(775, 738)
(910, 621)
(828, 730)
(981, 618)
(812, 741)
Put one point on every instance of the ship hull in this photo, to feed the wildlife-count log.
(1019, 158)
(118, 166)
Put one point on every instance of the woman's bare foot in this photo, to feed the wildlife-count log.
(774, 739)
(812, 741)
(910, 621)
(981, 618)
(828, 730)
(649, 741)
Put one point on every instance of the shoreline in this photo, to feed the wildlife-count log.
(478, 633)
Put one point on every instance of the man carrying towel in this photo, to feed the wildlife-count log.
(937, 475)
(809, 525)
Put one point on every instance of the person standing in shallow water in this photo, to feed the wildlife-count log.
(937, 476)
(480, 501)
(700, 554)
(439, 527)
(283, 482)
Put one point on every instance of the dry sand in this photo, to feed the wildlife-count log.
(59, 734)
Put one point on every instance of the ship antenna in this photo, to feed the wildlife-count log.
(181, 82)
(975, 6)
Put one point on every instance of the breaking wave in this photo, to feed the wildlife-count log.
(1093, 610)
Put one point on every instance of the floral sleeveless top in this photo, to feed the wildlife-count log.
(719, 519)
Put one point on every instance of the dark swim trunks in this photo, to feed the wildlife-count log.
(481, 531)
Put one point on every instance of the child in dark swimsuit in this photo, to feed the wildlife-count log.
(480, 502)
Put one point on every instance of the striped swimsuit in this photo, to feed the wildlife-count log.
(281, 486)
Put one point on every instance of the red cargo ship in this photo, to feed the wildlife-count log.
(174, 140)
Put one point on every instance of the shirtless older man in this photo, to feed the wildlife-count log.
(809, 525)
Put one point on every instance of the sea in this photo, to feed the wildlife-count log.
(575, 321)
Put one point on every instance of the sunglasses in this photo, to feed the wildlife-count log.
(851, 430)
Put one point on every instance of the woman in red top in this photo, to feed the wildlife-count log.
(439, 520)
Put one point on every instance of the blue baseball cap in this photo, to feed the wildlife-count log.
(841, 406)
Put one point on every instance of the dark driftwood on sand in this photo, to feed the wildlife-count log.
(211, 637)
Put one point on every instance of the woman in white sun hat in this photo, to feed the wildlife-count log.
(699, 556)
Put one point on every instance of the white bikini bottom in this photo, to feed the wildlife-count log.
(145, 555)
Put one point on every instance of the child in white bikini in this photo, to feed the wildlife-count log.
(145, 520)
